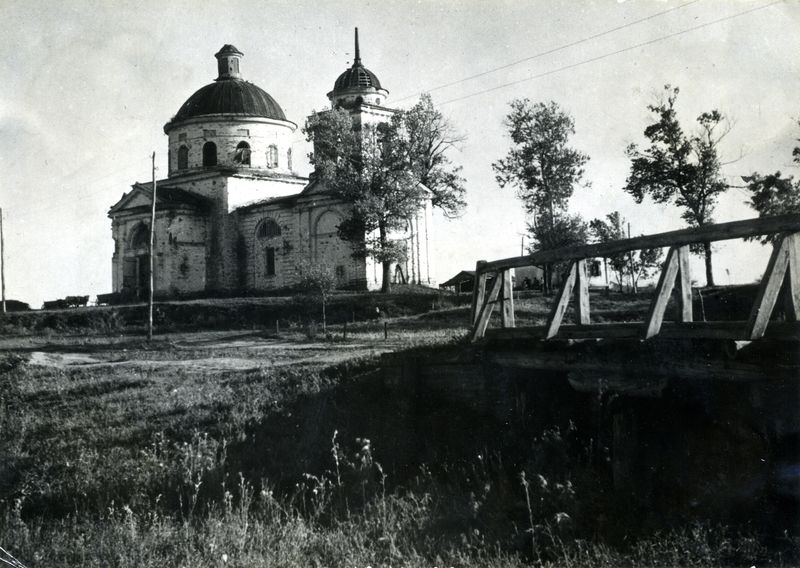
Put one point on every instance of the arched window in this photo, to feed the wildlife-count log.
(209, 154)
(272, 156)
(242, 155)
(289, 159)
(140, 237)
(267, 229)
(183, 158)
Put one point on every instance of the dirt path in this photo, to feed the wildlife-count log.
(237, 352)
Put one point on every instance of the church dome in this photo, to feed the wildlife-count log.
(356, 77)
(229, 94)
(357, 84)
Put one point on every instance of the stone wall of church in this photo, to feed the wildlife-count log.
(308, 235)
(227, 133)
(180, 252)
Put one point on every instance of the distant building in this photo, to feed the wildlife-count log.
(232, 214)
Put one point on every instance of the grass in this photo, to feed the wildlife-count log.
(148, 457)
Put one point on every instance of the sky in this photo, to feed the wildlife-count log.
(88, 85)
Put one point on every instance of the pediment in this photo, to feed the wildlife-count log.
(141, 196)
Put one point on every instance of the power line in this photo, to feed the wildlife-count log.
(551, 51)
(617, 52)
(51, 204)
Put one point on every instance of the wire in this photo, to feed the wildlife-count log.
(50, 204)
(617, 52)
(550, 51)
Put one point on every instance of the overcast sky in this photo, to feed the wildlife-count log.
(87, 87)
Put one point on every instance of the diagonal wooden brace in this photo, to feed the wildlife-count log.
(780, 262)
(485, 311)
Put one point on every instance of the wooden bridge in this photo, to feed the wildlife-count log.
(783, 265)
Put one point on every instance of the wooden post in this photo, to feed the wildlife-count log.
(560, 307)
(769, 288)
(687, 314)
(507, 312)
(152, 263)
(478, 290)
(793, 284)
(582, 292)
(2, 262)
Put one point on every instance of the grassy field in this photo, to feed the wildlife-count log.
(243, 448)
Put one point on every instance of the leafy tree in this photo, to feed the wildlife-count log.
(635, 264)
(773, 194)
(379, 170)
(430, 137)
(563, 231)
(679, 168)
(541, 164)
(612, 229)
(317, 280)
(544, 169)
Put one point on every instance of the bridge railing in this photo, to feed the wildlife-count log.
(493, 285)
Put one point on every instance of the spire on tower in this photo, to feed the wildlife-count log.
(357, 60)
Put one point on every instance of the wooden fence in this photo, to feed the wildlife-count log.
(784, 260)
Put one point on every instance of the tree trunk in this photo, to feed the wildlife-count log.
(386, 286)
(386, 265)
(709, 269)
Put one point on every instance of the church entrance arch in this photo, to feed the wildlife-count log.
(136, 263)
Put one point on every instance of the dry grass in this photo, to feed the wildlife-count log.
(147, 457)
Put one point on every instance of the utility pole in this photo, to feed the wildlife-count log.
(2, 262)
(630, 262)
(152, 241)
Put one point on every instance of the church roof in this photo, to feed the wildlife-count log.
(358, 76)
(141, 196)
(229, 94)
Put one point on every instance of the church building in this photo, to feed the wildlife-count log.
(232, 215)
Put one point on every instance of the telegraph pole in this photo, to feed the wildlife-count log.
(152, 241)
(630, 263)
(2, 262)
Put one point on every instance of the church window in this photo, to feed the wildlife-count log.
(339, 272)
(242, 155)
(209, 154)
(183, 158)
(267, 229)
(289, 158)
(269, 258)
(377, 101)
(140, 237)
(272, 156)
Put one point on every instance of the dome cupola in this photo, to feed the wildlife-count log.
(230, 124)
(228, 94)
(357, 85)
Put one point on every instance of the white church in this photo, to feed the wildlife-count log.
(232, 215)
